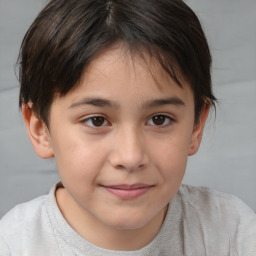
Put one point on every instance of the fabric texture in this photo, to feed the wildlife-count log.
(199, 222)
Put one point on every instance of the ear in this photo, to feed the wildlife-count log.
(198, 131)
(37, 131)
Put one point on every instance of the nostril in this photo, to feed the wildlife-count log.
(120, 167)
(130, 168)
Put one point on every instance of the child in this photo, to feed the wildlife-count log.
(118, 93)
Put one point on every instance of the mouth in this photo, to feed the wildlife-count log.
(128, 192)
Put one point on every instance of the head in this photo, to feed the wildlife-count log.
(118, 91)
(68, 35)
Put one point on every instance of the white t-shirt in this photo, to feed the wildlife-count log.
(199, 222)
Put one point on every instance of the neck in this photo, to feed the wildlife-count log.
(105, 236)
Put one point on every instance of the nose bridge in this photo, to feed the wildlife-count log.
(129, 149)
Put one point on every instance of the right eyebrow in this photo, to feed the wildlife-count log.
(165, 101)
(97, 102)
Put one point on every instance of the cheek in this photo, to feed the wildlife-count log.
(78, 166)
(171, 158)
(76, 158)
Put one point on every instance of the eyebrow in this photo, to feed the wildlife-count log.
(161, 102)
(100, 102)
(97, 102)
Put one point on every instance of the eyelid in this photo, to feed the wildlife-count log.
(90, 117)
(168, 116)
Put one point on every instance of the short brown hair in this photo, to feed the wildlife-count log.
(67, 35)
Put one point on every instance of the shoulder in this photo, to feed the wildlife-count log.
(29, 222)
(18, 226)
(207, 199)
(26, 214)
(22, 214)
(219, 218)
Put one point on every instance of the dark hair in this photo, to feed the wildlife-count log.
(67, 35)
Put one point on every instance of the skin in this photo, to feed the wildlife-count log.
(142, 136)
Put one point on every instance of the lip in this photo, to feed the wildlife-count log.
(128, 192)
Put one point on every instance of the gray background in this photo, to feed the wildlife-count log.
(227, 158)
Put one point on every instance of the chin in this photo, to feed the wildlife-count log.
(131, 221)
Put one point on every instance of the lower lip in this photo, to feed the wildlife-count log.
(128, 194)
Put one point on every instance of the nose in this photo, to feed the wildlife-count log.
(129, 150)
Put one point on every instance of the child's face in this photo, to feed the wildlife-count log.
(121, 141)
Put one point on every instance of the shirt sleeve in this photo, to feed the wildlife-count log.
(4, 249)
(246, 232)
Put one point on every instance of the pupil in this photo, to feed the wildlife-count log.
(159, 120)
(98, 121)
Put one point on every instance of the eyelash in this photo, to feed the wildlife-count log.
(89, 121)
(165, 121)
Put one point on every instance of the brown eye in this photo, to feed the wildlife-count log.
(96, 121)
(159, 120)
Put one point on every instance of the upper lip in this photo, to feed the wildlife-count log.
(128, 187)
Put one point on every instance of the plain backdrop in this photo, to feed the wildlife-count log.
(226, 160)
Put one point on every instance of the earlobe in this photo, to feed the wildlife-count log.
(37, 132)
(198, 131)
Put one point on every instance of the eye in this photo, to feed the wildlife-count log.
(160, 120)
(96, 121)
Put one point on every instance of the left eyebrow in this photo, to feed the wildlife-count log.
(161, 102)
(97, 102)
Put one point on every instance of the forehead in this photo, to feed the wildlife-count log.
(134, 62)
(117, 71)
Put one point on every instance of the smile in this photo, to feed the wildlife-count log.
(128, 192)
